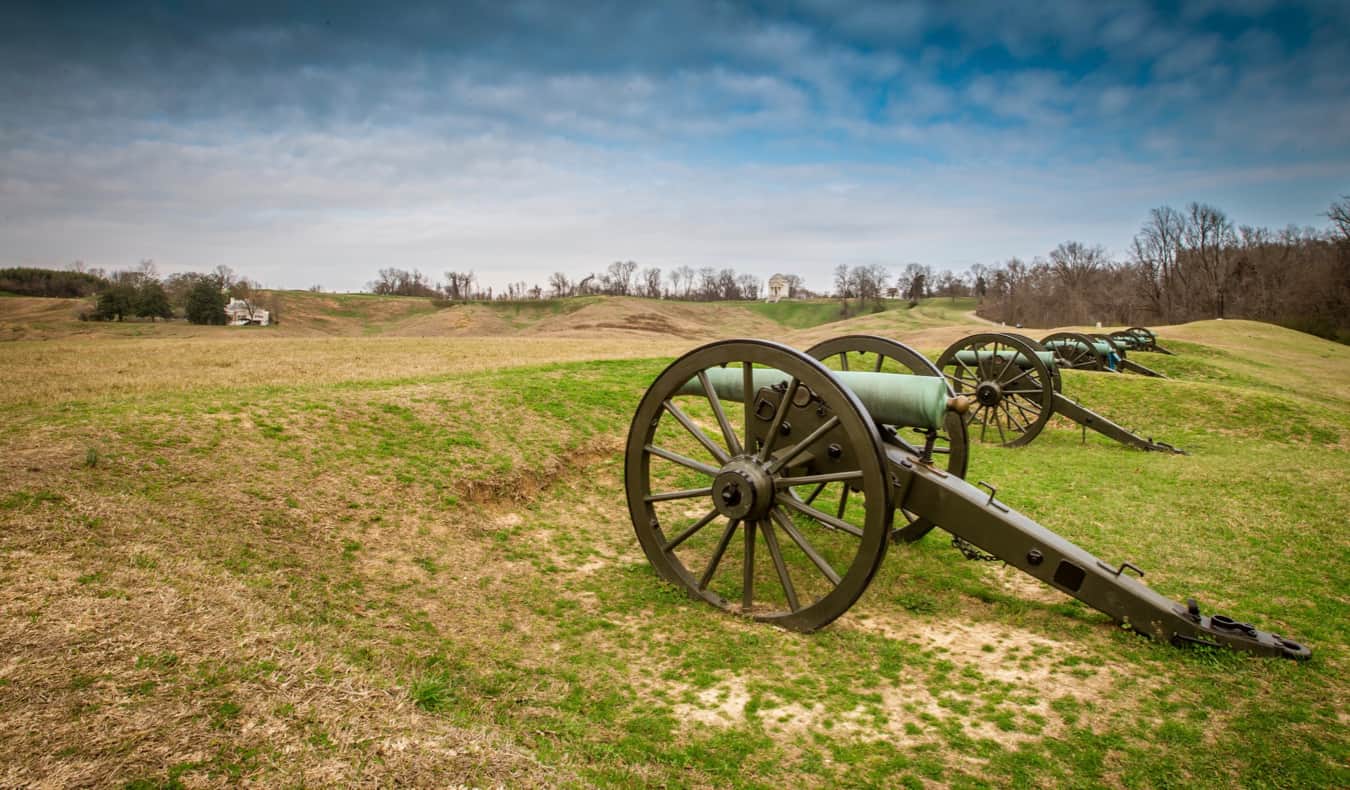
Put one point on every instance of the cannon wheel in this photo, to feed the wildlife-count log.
(791, 564)
(1125, 338)
(1079, 354)
(1012, 404)
(1036, 344)
(1145, 335)
(871, 352)
(1116, 345)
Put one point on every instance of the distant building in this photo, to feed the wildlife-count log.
(241, 313)
(778, 288)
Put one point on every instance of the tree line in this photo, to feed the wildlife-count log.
(1186, 265)
(139, 292)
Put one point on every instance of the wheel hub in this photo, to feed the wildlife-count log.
(989, 393)
(743, 490)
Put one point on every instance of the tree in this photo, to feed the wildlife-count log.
(794, 284)
(651, 276)
(179, 285)
(1154, 252)
(621, 277)
(206, 302)
(748, 285)
(1209, 241)
(687, 276)
(115, 302)
(152, 301)
(559, 284)
(916, 287)
(842, 281)
(1339, 214)
(870, 283)
(459, 285)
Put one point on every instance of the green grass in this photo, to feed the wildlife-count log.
(319, 583)
(804, 313)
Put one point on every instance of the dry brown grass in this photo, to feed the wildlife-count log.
(85, 369)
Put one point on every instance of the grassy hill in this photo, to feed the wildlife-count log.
(331, 560)
(304, 313)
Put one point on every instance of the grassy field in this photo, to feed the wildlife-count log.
(278, 559)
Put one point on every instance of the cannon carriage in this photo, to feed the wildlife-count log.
(1079, 351)
(1138, 338)
(766, 484)
(1017, 387)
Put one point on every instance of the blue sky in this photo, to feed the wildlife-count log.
(317, 143)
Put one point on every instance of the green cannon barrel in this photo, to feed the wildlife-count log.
(891, 398)
(968, 358)
(1101, 346)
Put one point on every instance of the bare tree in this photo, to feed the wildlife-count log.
(559, 284)
(651, 276)
(687, 276)
(1209, 240)
(1154, 252)
(459, 285)
(1339, 214)
(620, 277)
(748, 285)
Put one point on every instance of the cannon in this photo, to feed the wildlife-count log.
(1016, 385)
(1138, 338)
(1079, 351)
(765, 484)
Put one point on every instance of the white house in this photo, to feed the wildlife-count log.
(778, 288)
(241, 313)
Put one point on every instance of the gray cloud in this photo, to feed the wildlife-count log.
(526, 137)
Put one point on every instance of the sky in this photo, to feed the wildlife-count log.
(315, 143)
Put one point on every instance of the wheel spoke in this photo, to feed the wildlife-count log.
(843, 360)
(816, 493)
(1023, 374)
(806, 480)
(881, 360)
(683, 419)
(688, 493)
(748, 398)
(802, 543)
(823, 517)
(688, 533)
(748, 568)
(843, 502)
(733, 444)
(771, 540)
(778, 416)
(1011, 359)
(800, 447)
(716, 558)
(682, 460)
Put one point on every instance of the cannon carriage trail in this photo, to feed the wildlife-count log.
(387, 543)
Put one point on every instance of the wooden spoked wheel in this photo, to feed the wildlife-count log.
(883, 355)
(1036, 344)
(728, 500)
(1075, 350)
(1118, 346)
(1013, 388)
(1147, 340)
(1127, 339)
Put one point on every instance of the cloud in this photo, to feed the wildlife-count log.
(526, 137)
